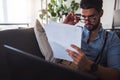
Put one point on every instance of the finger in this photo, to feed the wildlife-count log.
(71, 52)
(76, 19)
(73, 55)
(68, 18)
(77, 49)
(70, 14)
(71, 23)
(75, 59)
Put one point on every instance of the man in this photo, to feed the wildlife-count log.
(93, 36)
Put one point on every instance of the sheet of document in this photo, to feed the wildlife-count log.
(61, 36)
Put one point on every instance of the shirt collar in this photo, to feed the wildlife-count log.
(86, 32)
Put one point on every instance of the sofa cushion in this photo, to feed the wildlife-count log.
(43, 41)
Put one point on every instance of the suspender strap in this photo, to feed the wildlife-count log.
(99, 56)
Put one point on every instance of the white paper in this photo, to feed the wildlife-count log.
(61, 36)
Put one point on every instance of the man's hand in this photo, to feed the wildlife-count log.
(71, 19)
(79, 58)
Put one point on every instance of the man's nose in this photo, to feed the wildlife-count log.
(86, 20)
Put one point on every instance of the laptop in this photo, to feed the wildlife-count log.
(25, 66)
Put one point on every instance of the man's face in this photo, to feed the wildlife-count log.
(91, 18)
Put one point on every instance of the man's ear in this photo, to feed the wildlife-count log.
(101, 13)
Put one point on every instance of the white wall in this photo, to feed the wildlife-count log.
(1, 9)
(35, 7)
(108, 6)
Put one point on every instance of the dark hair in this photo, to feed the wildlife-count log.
(97, 4)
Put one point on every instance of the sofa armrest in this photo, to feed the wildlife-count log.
(23, 39)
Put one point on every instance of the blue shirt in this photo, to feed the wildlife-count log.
(111, 53)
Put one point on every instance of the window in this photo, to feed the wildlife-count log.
(15, 12)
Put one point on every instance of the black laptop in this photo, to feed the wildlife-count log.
(25, 66)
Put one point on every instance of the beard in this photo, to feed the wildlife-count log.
(92, 27)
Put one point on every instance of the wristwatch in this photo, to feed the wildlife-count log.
(94, 67)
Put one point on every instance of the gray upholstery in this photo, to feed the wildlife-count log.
(23, 39)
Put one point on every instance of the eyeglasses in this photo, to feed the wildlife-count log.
(90, 18)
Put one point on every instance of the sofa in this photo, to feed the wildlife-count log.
(23, 39)
(15, 66)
